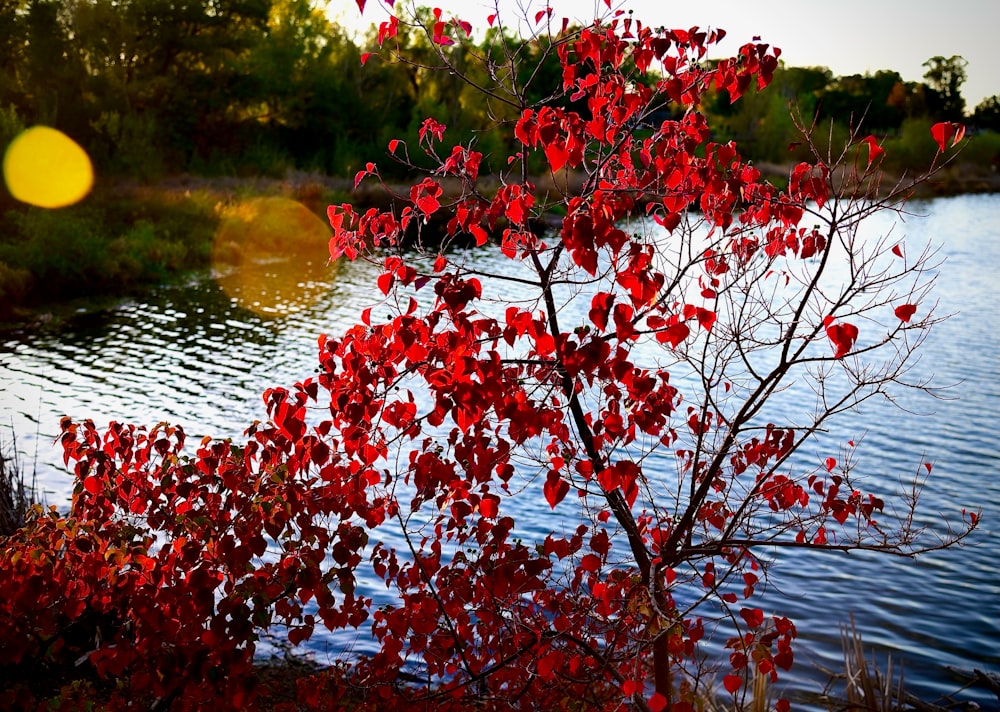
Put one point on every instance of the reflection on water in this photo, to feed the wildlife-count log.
(194, 355)
(270, 255)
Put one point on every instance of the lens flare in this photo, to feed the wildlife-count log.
(270, 255)
(47, 168)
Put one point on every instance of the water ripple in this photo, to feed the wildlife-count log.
(190, 355)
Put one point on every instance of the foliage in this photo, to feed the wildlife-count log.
(987, 114)
(15, 286)
(945, 77)
(913, 146)
(676, 339)
(152, 88)
(87, 250)
(871, 101)
(984, 150)
(10, 125)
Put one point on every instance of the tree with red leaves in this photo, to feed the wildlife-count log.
(643, 340)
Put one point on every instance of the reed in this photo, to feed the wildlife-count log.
(15, 496)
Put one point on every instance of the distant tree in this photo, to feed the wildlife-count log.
(802, 83)
(910, 99)
(178, 68)
(864, 101)
(944, 77)
(12, 51)
(306, 100)
(53, 73)
(987, 113)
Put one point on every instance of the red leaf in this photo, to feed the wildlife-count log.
(385, 281)
(600, 307)
(657, 703)
(489, 507)
(364, 58)
(830, 464)
(557, 155)
(297, 635)
(590, 563)
(361, 4)
(92, 485)
(387, 30)
(905, 311)
(556, 488)
(393, 145)
(548, 663)
(874, 150)
(843, 336)
(897, 250)
(732, 683)
(947, 131)
(706, 318)
(428, 204)
(942, 132)
(673, 335)
(440, 38)
(754, 617)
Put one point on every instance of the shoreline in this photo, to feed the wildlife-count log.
(198, 199)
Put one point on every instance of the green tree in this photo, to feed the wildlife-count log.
(760, 121)
(175, 67)
(12, 50)
(987, 113)
(864, 101)
(945, 77)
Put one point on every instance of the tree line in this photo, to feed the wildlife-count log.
(153, 87)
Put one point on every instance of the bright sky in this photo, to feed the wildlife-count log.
(848, 36)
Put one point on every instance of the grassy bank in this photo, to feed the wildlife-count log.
(123, 239)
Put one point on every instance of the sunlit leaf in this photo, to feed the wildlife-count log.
(843, 336)
(905, 311)
(874, 150)
(946, 131)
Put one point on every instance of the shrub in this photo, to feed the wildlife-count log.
(637, 384)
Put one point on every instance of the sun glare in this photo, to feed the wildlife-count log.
(47, 168)
(270, 255)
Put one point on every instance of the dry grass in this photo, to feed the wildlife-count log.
(862, 686)
(15, 495)
(866, 686)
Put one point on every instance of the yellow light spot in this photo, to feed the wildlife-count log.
(47, 168)
(271, 254)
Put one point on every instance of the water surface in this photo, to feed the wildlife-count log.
(190, 354)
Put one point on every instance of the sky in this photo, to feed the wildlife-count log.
(848, 36)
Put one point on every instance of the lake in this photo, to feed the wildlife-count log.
(191, 354)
